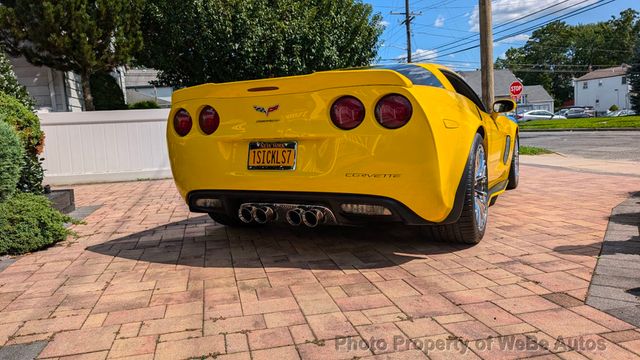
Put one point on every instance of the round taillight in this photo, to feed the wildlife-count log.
(347, 112)
(182, 122)
(393, 111)
(209, 120)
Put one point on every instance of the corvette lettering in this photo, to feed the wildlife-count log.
(365, 175)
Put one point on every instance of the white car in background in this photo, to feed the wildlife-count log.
(538, 115)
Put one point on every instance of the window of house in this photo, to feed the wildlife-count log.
(585, 85)
(624, 80)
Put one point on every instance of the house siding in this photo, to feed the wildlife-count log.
(601, 97)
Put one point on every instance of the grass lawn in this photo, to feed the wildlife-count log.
(588, 123)
(533, 150)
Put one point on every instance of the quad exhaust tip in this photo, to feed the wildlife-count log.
(263, 215)
(245, 214)
(294, 216)
(312, 217)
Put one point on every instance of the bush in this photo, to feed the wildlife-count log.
(27, 125)
(614, 107)
(107, 94)
(10, 85)
(11, 159)
(149, 104)
(28, 223)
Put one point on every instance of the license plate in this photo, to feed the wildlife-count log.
(272, 155)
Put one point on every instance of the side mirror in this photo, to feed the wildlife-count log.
(503, 106)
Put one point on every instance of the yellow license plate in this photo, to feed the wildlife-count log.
(272, 155)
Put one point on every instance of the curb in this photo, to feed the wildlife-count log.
(579, 129)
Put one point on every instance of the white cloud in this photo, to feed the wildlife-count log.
(504, 11)
(512, 39)
(439, 21)
(384, 23)
(423, 55)
(420, 55)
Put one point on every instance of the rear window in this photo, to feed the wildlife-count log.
(415, 73)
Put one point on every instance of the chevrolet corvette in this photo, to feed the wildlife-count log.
(404, 143)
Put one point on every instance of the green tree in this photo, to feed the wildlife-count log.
(10, 85)
(198, 41)
(85, 36)
(557, 52)
(633, 74)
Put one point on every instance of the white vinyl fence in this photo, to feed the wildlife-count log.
(102, 146)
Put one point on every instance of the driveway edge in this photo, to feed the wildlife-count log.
(615, 284)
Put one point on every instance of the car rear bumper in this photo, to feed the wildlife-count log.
(231, 200)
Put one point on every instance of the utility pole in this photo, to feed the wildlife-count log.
(486, 51)
(408, 17)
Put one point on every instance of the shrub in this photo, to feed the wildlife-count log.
(107, 94)
(149, 104)
(614, 107)
(11, 159)
(27, 125)
(28, 223)
(10, 85)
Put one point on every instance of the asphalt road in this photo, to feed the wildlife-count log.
(607, 145)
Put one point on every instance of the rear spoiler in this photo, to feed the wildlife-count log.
(293, 84)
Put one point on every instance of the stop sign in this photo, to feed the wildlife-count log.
(515, 88)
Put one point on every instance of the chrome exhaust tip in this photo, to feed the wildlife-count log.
(263, 215)
(294, 217)
(245, 214)
(313, 217)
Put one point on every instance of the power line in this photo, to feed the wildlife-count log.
(562, 17)
(408, 17)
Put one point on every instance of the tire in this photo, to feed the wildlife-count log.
(470, 227)
(514, 169)
(226, 220)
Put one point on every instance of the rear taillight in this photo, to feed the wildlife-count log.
(209, 120)
(393, 111)
(347, 112)
(182, 122)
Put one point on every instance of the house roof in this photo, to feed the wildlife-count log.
(140, 77)
(605, 73)
(502, 80)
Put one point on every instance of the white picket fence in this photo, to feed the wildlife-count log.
(103, 146)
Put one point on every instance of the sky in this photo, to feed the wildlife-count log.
(447, 26)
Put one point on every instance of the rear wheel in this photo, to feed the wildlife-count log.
(472, 223)
(514, 169)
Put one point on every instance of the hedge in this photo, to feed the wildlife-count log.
(29, 223)
(11, 160)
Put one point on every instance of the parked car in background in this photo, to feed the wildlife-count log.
(538, 115)
(562, 112)
(576, 113)
(623, 113)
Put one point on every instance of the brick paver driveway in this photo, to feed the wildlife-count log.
(147, 279)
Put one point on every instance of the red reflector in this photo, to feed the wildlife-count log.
(393, 111)
(209, 120)
(347, 112)
(182, 122)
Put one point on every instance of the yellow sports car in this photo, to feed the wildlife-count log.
(408, 143)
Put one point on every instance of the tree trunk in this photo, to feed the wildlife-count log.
(86, 91)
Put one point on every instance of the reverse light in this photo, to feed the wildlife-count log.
(393, 111)
(209, 120)
(182, 122)
(365, 209)
(347, 112)
(208, 203)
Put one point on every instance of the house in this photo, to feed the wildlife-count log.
(603, 88)
(533, 97)
(139, 85)
(53, 90)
